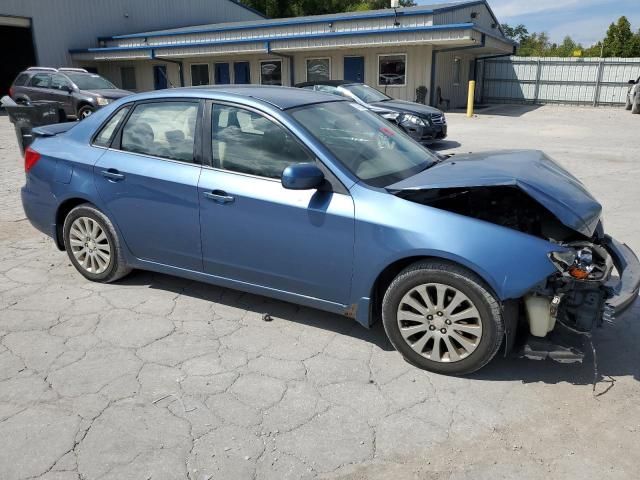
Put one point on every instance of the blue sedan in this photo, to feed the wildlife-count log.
(311, 199)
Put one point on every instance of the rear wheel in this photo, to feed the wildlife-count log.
(442, 318)
(85, 112)
(93, 245)
(628, 104)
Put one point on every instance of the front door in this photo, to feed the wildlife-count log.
(241, 73)
(257, 232)
(61, 92)
(354, 69)
(148, 182)
(159, 77)
(221, 73)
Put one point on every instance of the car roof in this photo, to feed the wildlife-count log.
(332, 83)
(281, 97)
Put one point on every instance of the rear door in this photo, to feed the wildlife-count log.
(38, 87)
(148, 181)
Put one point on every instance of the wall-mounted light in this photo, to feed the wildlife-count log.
(330, 25)
(474, 14)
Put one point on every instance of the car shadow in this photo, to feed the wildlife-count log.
(508, 110)
(615, 345)
(444, 145)
(260, 305)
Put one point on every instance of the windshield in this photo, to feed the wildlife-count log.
(366, 93)
(86, 81)
(374, 150)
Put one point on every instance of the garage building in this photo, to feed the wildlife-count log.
(41, 32)
(398, 51)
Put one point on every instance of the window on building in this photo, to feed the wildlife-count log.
(41, 80)
(200, 74)
(318, 69)
(456, 71)
(128, 78)
(246, 142)
(392, 70)
(271, 72)
(103, 139)
(162, 129)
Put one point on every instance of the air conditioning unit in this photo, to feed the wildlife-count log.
(395, 3)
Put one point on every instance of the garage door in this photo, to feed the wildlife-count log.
(15, 31)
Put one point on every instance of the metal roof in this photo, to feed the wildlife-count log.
(360, 15)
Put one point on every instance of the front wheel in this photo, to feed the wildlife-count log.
(93, 245)
(442, 318)
(85, 112)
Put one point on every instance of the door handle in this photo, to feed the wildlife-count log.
(219, 196)
(112, 174)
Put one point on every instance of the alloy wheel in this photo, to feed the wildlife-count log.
(90, 245)
(439, 322)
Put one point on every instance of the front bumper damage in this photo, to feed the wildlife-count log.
(567, 306)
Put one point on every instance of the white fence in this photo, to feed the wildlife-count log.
(579, 81)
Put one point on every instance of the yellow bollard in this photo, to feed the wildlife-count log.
(472, 95)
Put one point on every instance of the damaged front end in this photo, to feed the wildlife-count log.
(596, 277)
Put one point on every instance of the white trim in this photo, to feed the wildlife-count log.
(191, 73)
(260, 62)
(405, 69)
(306, 66)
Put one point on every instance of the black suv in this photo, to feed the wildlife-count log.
(79, 92)
(423, 123)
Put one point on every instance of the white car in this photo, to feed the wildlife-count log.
(633, 96)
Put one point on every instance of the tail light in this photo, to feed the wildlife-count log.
(11, 92)
(31, 157)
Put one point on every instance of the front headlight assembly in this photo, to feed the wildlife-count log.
(103, 101)
(413, 119)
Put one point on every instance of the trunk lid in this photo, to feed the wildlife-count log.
(529, 170)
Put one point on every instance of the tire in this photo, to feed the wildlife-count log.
(628, 105)
(80, 222)
(478, 312)
(85, 112)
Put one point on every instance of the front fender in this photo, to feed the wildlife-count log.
(509, 261)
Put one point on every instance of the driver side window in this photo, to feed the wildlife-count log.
(246, 142)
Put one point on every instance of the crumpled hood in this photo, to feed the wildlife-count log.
(111, 93)
(530, 170)
(402, 106)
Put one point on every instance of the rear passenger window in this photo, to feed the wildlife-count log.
(41, 80)
(21, 80)
(246, 142)
(103, 139)
(163, 129)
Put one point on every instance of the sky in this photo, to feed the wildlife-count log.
(586, 21)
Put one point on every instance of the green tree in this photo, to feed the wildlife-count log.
(296, 8)
(619, 40)
(519, 33)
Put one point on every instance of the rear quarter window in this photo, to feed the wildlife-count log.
(21, 80)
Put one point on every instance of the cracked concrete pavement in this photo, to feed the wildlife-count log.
(156, 377)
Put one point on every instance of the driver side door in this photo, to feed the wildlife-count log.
(257, 232)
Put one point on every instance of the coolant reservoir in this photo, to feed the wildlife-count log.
(541, 321)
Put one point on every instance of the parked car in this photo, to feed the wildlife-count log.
(422, 122)
(79, 92)
(633, 96)
(312, 199)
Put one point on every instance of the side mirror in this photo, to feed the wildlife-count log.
(302, 176)
(68, 88)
